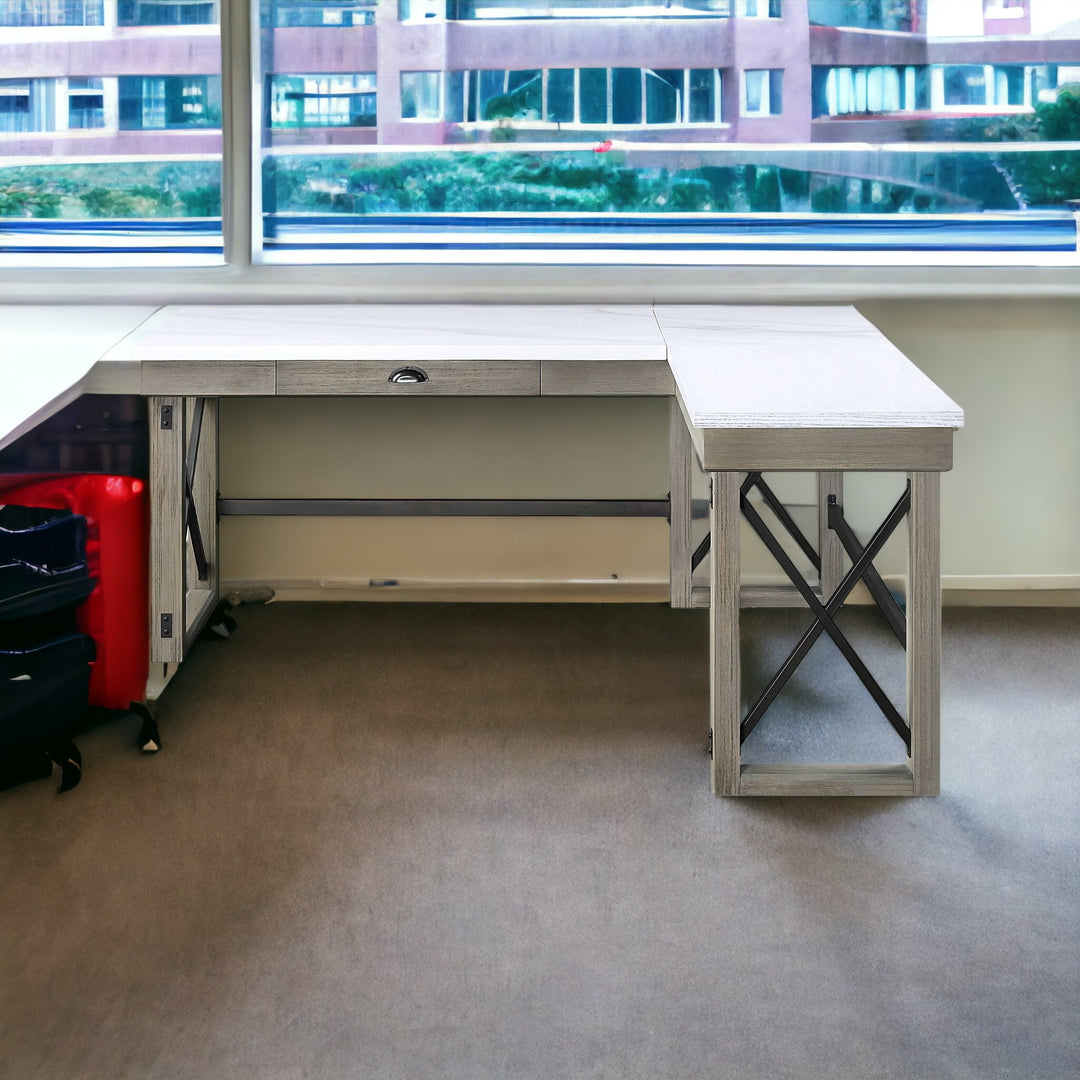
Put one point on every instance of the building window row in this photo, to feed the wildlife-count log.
(298, 101)
(900, 16)
(128, 103)
(167, 12)
(463, 10)
(52, 12)
(28, 105)
(93, 13)
(285, 13)
(844, 91)
(160, 102)
(585, 96)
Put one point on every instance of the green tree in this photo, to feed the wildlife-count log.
(1059, 121)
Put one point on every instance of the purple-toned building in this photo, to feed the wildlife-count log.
(141, 77)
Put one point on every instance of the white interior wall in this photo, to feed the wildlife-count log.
(1010, 507)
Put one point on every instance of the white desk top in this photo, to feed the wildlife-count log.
(734, 366)
(400, 332)
(46, 354)
(796, 367)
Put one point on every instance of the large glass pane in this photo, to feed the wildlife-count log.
(560, 97)
(626, 96)
(110, 129)
(594, 95)
(704, 86)
(663, 96)
(551, 125)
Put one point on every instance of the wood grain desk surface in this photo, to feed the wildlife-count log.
(735, 366)
(48, 355)
(401, 332)
(796, 367)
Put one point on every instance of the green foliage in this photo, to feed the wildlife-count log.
(1046, 178)
(105, 203)
(1060, 120)
(136, 188)
(828, 200)
(764, 189)
(28, 202)
(795, 183)
(202, 201)
(691, 195)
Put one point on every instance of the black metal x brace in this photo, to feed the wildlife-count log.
(862, 569)
(191, 516)
(884, 599)
(755, 480)
(823, 614)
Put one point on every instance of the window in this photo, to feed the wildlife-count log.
(421, 97)
(151, 102)
(86, 103)
(15, 105)
(294, 13)
(594, 97)
(905, 16)
(167, 12)
(763, 92)
(93, 160)
(541, 130)
(466, 10)
(52, 12)
(758, 9)
(298, 101)
(634, 151)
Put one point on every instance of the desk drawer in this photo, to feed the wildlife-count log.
(453, 378)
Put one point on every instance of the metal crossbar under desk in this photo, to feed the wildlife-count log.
(819, 390)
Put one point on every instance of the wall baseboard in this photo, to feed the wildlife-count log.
(957, 590)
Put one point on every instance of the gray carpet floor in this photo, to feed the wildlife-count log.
(413, 841)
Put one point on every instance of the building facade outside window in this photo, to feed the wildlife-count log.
(544, 108)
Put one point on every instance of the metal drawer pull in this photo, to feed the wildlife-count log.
(408, 375)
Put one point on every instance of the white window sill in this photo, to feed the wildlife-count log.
(823, 281)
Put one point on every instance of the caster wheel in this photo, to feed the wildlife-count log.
(149, 739)
(67, 758)
(221, 625)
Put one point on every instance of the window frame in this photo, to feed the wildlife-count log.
(246, 276)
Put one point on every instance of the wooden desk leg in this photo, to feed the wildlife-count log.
(167, 607)
(829, 547)
(924, 630)
(724, 664)
(680, 461)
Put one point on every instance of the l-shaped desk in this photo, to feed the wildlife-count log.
(751, 389)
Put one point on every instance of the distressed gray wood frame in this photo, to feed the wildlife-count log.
(921, 774)
(167, 530)
(681, 467)
(175, 590)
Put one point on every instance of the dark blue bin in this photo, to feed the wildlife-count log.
(42, 561)
(43, 691)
